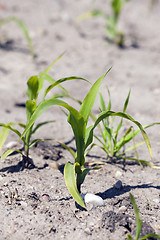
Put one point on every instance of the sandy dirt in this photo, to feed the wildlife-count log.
(35, 203)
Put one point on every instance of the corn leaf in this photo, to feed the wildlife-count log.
(78, 126)
(3, 136)
(33, 87)
(130, 148)
(9, 126)
(61, 81)
(106, 114)
(46, 104)
(30, 108)
(124, 110)
(51, 65)
(68, 149)
(39, 140)
(23, 28)
(69, 176)
(84, 173)
(129, 237)
(147, 163)
(138, 221)
(89, 100)
(47, 77)
(75, 119)
(155, 236)
(40, 125)
(8, 152)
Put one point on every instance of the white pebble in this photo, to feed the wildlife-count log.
(11, 144)
(88, 231)
(118, 174)
(122, 209)
(93, 199)
(23, 204)
(156, 200)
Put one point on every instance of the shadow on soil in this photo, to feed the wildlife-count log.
(113, 192)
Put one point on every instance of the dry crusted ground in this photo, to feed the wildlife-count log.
(35, 203)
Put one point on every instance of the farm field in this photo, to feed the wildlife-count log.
(35, 202)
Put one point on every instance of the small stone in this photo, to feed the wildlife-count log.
(118, 184)
(23, 204)
(93, 199)
(122, 209)
(87, 231)
(156, 200)
(45, 198)
(11, 144)
(118, 174)
(157, 228)
(54, 165)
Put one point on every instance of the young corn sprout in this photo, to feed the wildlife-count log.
(110, 141)
(35, 85)
(112, 32)
(23, 27)
(74, 174)
(139, 225)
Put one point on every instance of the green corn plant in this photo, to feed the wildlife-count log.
(74, 174)
(139, 224)
(152, 2)
(35, 85)
(23, 27)
(109, 140)
(112, 32)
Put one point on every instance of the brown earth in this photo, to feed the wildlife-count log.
(43, 208)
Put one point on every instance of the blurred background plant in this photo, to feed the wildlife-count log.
(23, 27)
(111, 22)
(139, 222)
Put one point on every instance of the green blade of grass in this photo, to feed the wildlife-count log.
(69, 176)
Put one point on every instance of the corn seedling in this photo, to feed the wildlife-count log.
(112, 32)
(109, 140)
(139, 225)
(23, 27)
(33, 104)
(74, 174)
